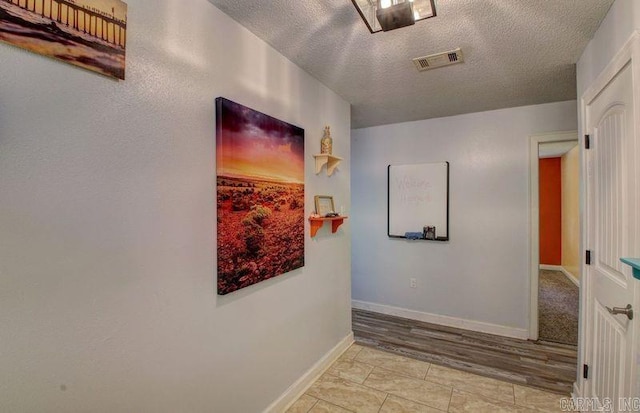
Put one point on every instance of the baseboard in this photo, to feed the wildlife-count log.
(571, 277)
(560, 268)
(301, 385)
(551, 267)
(576, 391)
(576, 397)
(478, 326)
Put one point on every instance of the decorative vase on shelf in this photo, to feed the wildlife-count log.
(326, 143)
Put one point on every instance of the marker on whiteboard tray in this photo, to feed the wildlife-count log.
(429, 232)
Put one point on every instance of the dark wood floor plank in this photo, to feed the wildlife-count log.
(419, 327)
(548, 366)
(469, 354)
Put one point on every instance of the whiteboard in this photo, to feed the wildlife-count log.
(418, 197)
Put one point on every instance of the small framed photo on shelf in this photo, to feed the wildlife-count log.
(324, 205)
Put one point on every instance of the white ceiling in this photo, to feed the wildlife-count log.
(517, 52)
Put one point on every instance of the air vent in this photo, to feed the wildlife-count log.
(438, 60)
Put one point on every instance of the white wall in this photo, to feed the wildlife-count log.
(482, 274)
(107, 227)
(621, 20)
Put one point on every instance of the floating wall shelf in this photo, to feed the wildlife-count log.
(317, 223)
(635, 264)
(326, 159)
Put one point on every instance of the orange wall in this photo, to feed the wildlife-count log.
(550, 170)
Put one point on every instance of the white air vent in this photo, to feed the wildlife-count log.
(438, 60)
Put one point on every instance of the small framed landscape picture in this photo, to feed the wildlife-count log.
(91, 34)
(324, 205)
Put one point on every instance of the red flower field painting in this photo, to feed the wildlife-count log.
(260, 203)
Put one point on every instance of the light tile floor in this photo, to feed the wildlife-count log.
(364, 380)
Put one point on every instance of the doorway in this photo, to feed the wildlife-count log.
(555, 237)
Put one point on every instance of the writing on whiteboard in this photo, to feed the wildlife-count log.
(413, 190)
(418, 197)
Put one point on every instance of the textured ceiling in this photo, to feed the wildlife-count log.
(517, 52)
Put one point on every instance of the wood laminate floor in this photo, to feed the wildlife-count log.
(544, 365)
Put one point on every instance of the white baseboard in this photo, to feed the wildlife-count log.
(478, 326)
(560, 268)
(576, 391)
(571, 277)
(303, 383)
(576, 395)
(551, 267)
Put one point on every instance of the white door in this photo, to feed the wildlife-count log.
(612, 230)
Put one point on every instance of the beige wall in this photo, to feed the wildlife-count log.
(571, 211)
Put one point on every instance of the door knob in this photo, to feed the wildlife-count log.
(628, 311)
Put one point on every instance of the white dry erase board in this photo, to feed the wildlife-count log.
(418, 197)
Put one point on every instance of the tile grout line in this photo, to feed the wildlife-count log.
(475, 391)
(359, 384)
(341, 407)
(327, 401)
(363, 385)
(400, 373)
(383, 402)
(349, 380)
(528, 408)
(314, 404)
(427, 373)
(452, 388)
(418, 403)
(358, 352)
(432, 381)
(408, 377)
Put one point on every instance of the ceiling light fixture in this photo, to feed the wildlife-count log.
(385, 15)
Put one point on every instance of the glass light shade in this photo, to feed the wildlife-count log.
(368, 9)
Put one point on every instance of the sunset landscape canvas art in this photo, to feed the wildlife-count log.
(260, 196)
(88, 33)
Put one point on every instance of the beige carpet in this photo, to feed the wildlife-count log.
(557, 308)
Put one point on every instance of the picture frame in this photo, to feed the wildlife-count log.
(260, 196)
(324, 205)
(91, 34)
(418, 200)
